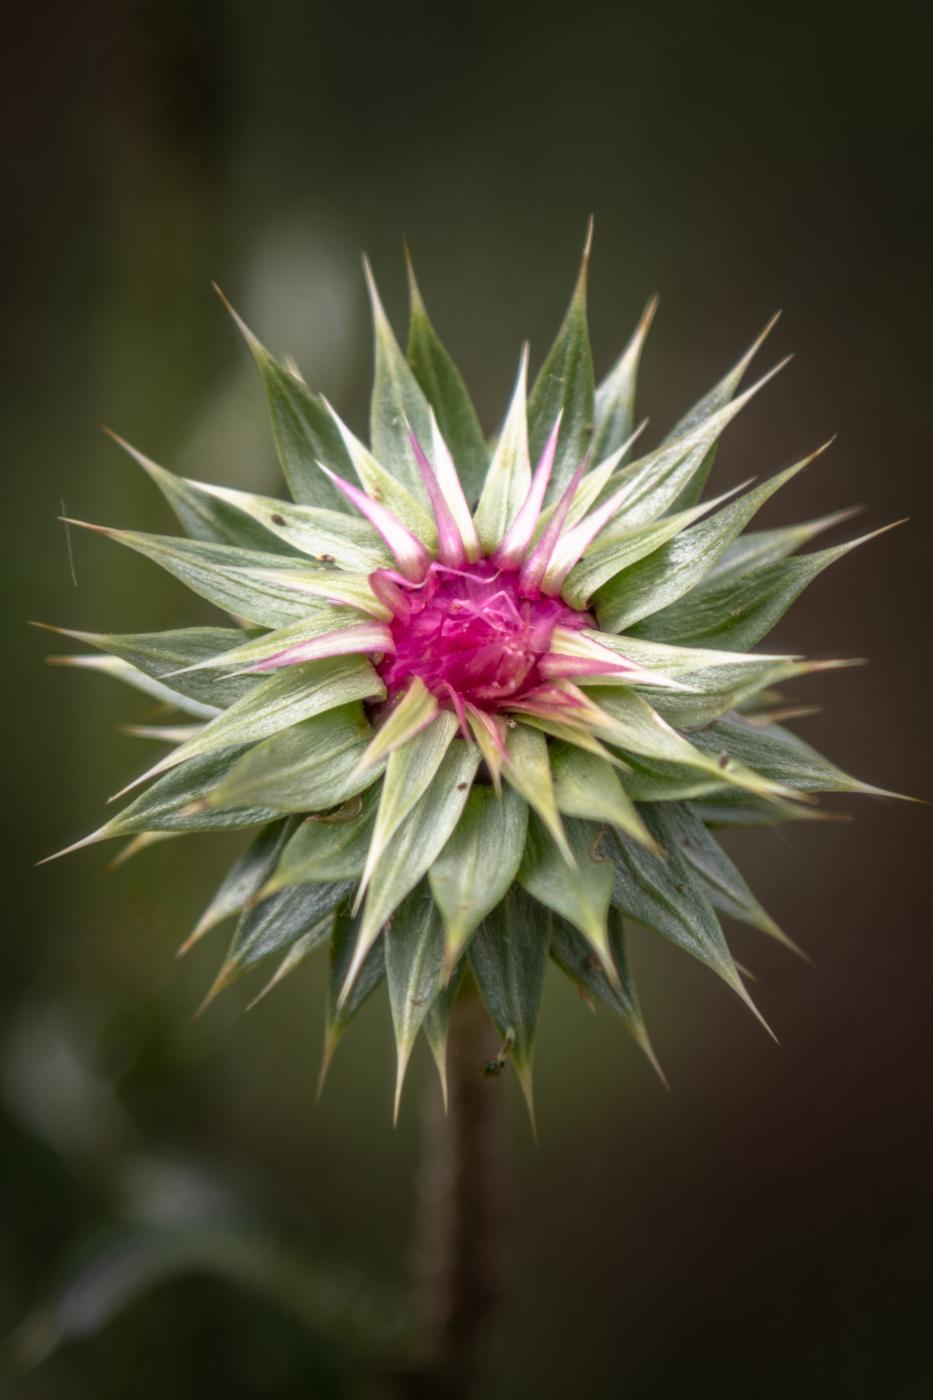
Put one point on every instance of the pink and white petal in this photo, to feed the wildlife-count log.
(412, 557)
(535, 566)
(518, 537)
(346, 641)
(573, 644)
(450, 546)
(449, 481)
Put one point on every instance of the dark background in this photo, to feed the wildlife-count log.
(763, 1230)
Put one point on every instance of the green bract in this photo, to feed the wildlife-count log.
(421, 834)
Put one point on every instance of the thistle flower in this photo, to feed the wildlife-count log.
(480, 705)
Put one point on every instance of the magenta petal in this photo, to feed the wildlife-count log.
(534, 569)
(518, 537)
(457, 701)
(450, 547)
(468, 632)
(390, 588)
(359, 638)
(555, 697)
(575, 543)
(413, 559)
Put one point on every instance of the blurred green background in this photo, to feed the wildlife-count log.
(765, 1228)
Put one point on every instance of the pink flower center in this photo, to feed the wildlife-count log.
(469, 633)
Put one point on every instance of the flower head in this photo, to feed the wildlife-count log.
(470, 737)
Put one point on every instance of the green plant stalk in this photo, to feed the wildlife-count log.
(463, 1210)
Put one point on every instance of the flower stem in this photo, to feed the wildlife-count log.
(463, 1210)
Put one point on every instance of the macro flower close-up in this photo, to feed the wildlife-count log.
(480, 703)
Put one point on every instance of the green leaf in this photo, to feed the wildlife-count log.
(302, 912)
(332, 847)
(508, 956)
(576, 959)
(414, 955)
(665, 895)
(285, 698)
(314, 533)
(615, 551)
(580, 895)
(649, 781)
(437, 1025)
(296, 956)
(240, 581)
(779, 755)
(615, 395)
(577, 735)
(478, 864)
(717, 398)
(652, 485)
(304, 430)
(757, 547)
(732, 808)
(410, 714)
(509, 475)
(163, 654)
(410, 771)
(397, 402)
(122, 671)
(184, 799)
(310, 767)
(440, 379)
(343, 1004)
(203, 514)
(565, 384)
(719, 878)
(244, 879)
(638, 729)
(719, 695)
(588, 787)
(736, 613)
(415, 845)
(528, 771)
(181, 801)
(659, 579)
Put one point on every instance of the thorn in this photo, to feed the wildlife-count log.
(404, 1054)
(414, 291)
(197, 933)
(100, 835)
(255, 345)
(648, 315)
(588, 243)
(642, 1040)
(134, 846)
(738, 986)
(524, 1073)
(223, 979)
(331, 1041)
(86, 525)
(71, 558)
